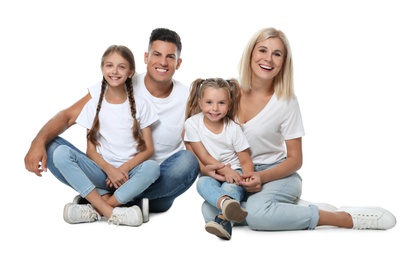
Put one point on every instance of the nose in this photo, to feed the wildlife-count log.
(268, 57)
(162, 61)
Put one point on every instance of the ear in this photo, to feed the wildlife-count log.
(131, 74)
(178, 63)
(146, 57)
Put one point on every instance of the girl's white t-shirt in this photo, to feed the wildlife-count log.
(223, 146)
(117, 144)
(280, 120)
(167, 131)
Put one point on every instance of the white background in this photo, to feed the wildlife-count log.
(353, 65)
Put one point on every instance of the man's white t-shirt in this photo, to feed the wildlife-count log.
(115, 137)
(167, 131)
(223, 146)
(280, 120)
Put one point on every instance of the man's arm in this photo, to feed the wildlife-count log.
(36, 158)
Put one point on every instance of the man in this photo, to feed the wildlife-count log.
(179, 167)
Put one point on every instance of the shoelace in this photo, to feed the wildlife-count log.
(114, 220)
(117, 218)
(363, 221)
(92, 215)
(87, 213)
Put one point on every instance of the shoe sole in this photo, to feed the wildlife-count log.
(145, 209)
(66, 214)
(233, 212)
(217, 230)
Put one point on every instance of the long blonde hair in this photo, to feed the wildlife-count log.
(283, 82)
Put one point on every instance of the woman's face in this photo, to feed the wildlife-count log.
(267, 58)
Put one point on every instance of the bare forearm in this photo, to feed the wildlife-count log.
(55, 126)
(282, 170)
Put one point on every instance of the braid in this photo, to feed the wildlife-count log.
(136, 131)
(92, 135)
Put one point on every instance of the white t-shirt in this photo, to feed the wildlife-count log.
(167, 131)
(280, 120)
(223, 146)
(117, 144)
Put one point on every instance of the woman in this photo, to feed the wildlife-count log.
(270, 117)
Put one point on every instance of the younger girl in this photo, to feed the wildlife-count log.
(115, 168)
(215, 138)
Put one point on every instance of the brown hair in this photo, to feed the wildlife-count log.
(127, 54)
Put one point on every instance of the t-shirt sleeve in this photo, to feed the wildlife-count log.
(239, 140)
(292, 125)
(87, 115)
(191, 131)
(147, 114)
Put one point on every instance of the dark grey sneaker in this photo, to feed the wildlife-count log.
(80, 200)
(220, 227)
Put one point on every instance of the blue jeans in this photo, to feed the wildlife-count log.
(273, 208)
(84, 175)
(211, 190)
(177, 174)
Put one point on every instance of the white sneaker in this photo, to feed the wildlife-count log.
(370, 217)
(322, 206)
(143, 204)
(131, 216)
(80, 213)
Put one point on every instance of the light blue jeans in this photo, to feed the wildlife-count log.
(273, 208)
(84, 175)
(211, 190)
(177, 174)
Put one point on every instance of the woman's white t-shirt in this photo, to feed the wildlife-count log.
(280, 120)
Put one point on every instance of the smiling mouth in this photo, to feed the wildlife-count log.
(266, 67)
(161, 70)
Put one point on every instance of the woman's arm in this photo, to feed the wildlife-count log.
(291, 164)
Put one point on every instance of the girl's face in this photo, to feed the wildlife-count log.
(116, 70)
(267, 58)
(214, 104)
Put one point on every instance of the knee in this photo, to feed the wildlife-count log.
(153, 167)
(61, 154)
(186, 164)
(201, 181)
(189, 159)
